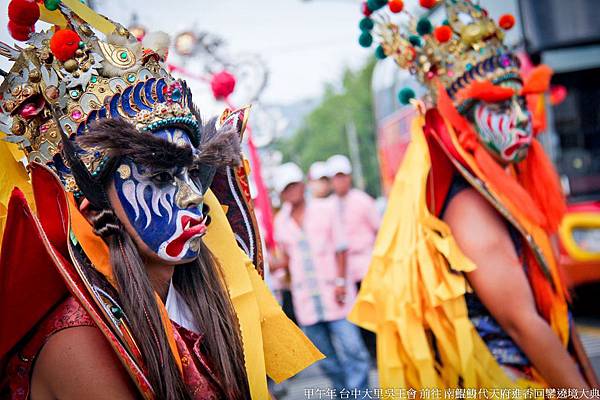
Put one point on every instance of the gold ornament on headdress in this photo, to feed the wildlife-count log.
(85, 78)
(468, 46)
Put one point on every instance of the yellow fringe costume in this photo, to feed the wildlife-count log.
(415, 289)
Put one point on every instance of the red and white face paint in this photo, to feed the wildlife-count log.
(505, 128)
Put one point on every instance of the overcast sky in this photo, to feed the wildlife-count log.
(304, 44)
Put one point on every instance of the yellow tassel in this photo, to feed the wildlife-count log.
(52, 17)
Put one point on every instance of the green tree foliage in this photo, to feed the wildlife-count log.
(323, 132)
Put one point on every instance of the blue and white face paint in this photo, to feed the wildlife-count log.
(164, 206)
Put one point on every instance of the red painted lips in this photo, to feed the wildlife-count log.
(191, 227)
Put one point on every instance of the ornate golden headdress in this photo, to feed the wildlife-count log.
(467, 47)
(67, 74)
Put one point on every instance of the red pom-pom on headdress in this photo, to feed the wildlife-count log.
(64, 43)
(538, 80)
(427, 3)
(506, 22)
(222, 84)
(23, 12)
(18, 31)
(365, 9)
(396, 6)
(443, 33)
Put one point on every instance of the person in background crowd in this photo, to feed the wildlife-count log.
(319, 182)
(313, 249)
(286, 175)
(358, 214)
(360, 221)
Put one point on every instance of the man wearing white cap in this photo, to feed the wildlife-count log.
(358, 213)
(360, 220)
(319, 182)
(313, 250)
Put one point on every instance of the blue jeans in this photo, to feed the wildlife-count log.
(347, 361)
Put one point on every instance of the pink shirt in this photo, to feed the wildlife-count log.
(360, 220)
(311, 250)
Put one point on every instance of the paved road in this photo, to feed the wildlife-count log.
(312, 378)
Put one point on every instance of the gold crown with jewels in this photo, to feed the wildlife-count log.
(467, 47)
(67, 74)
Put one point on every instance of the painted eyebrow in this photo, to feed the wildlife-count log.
(149, 170)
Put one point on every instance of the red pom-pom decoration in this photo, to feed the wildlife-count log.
(443, 33)
(506, 21)
(23, 12)
(64, 43)
(558, 94)
(222, 84)
(365, 9)
(19, 32)
(396, 6)
(427, 3)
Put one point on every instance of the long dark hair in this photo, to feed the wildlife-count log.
(201, 285)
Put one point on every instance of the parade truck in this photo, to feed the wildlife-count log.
(565, 36)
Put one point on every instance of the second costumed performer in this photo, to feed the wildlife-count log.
(463, 289)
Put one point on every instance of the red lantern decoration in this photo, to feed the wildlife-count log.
(222, 84)
(443, 33)
(23, 12)
(64, 43)
(396, 6)
(506, 21)
(427, 3)
(18, 31)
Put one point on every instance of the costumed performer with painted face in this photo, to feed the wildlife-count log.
(127, 281)
(463, 289)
